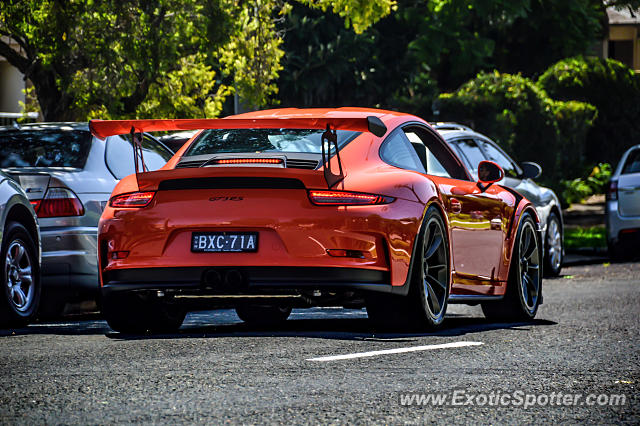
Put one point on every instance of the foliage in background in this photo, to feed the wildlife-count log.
(581, 237)
(518, 115)
(359, 14)
(408, 57)
(202, 95)
(106, 58)
(88, 58)
(577, 190)
(30, 104)
(613, 89)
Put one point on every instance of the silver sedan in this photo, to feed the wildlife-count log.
(68, 176)
(474, 147)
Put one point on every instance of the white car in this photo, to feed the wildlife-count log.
(623, 206)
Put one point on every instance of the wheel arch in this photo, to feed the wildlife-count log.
(21, 214)
(524, 208)
(436, 203)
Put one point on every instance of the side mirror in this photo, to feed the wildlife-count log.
(489, 172)
(531, 170)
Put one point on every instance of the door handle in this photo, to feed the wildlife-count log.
(496, 224)
(456, 205)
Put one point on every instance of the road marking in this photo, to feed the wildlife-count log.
(395, 351)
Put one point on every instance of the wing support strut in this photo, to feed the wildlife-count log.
(330, 137)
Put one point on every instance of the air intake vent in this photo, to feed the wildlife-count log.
(188, 164)
(302, 164)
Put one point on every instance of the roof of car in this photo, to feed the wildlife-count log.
(48, 126)
(457, 133)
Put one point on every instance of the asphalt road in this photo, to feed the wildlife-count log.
(585, 341)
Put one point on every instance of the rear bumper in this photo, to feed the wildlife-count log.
(617, 223)
(246, 280)
(69, 259)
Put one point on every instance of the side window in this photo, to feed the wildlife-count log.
(119, 155)
(493, 154)
(427, 158)
(397, 151)
(458, 150)
(632, 165)
(472, 152)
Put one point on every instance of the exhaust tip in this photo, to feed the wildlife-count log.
(233, 278)
(212, 278)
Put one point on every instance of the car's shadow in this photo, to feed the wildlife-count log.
(337, 329)
(318, 323)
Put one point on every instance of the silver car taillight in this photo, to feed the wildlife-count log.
(58, 202)
(612, 193)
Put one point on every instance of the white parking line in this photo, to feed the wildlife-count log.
(395, 351)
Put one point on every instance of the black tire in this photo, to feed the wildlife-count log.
(553, 247)
(21, 280)
(426, 304)
(131, 314)
(263, 315)
(524, 288)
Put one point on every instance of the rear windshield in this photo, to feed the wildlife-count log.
(44, 148)
(633, 163)
(218, 141)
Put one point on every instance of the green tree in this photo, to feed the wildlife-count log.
(406, 58)
(89, 58)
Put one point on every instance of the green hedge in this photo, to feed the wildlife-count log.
(519, 115)
(609, 86)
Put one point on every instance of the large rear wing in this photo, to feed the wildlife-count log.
(372, 124)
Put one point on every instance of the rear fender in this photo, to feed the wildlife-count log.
(524, 207)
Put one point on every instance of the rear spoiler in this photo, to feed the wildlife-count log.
(104, 128)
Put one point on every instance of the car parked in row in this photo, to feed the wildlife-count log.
(623, 206)
(473, 147)
(19, 255)
(68, 175)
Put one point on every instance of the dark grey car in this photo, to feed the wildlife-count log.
(473, 147)
(68, 176)
(19, 255)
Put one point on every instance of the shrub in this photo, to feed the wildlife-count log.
(613, 89)
(518, 115)
(576, 190)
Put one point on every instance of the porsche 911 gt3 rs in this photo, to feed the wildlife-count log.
(276, 209)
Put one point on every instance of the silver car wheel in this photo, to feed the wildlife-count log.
(554, 244)
(18, 277)
(529, 266)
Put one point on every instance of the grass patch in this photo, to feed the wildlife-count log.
(592, 236)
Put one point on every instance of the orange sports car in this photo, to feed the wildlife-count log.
(288, 208)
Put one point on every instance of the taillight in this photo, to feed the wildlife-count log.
(612, 193)
(133, 199)
(58, 202)
(345, 198)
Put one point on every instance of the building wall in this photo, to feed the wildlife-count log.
(11, 87)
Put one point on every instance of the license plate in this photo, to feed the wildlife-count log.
(226, 242)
